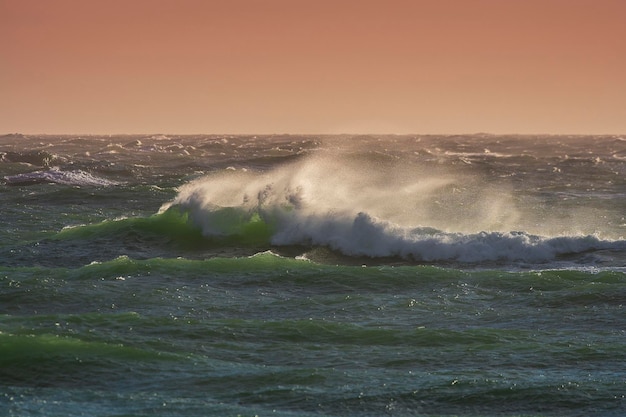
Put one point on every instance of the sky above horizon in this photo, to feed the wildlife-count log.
(313, 66)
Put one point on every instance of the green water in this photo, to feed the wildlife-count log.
(267, 333)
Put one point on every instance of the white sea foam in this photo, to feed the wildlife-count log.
(57, 176)
(366, 236)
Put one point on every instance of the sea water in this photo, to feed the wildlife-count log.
(292, 275)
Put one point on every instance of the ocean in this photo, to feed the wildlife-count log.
(303, 275)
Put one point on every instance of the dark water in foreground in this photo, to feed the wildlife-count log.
(313, 276)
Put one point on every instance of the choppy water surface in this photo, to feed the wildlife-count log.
(312, 276)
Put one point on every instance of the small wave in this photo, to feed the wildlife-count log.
(24, 349)
(159, 137)
(56, 176)
(38, 158)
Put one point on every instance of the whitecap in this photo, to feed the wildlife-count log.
(57, 176)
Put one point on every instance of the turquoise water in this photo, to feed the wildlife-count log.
(304, 276)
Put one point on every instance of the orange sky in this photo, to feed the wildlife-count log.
(313, 66)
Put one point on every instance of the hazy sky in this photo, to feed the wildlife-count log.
(312, 66)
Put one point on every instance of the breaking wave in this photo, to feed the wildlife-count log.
(57, 176)
(340, 204)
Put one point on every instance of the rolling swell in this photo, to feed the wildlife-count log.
(63, 361)
(268, 332)
(27, 287)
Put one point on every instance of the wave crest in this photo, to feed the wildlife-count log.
(57, 176)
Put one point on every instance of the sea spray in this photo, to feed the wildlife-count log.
(373, 206)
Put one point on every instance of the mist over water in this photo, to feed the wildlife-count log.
(401, 191)
(378, 204)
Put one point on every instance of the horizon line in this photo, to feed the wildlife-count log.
(311, 134)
